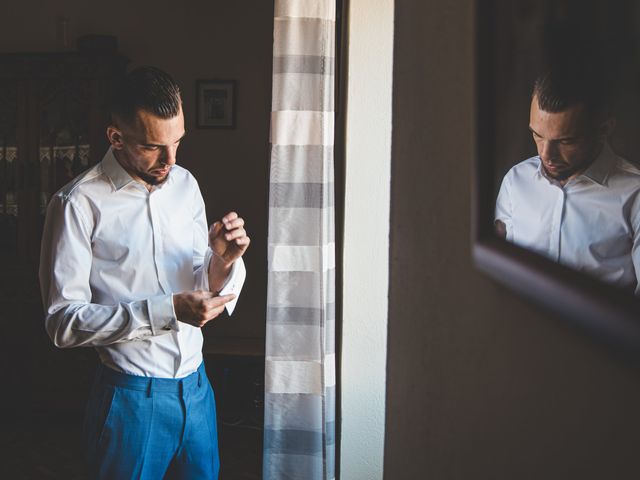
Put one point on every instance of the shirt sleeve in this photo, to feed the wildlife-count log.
(234, 283)
(202, 255)
(65, 265)
(635, 248)
(503, 206)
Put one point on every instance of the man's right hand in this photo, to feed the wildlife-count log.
(500, 228)
(197, 308)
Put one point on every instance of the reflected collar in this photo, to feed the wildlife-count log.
(599, 169)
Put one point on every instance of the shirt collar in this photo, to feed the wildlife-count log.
(119, 177)
(599, 169)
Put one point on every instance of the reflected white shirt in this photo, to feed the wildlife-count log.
(113, 254)
(591, 224)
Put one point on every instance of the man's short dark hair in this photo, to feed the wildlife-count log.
(145, 88)
(561, 88)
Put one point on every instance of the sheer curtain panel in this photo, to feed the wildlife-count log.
(299, 435)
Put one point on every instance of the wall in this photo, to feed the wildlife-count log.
(480, 384)
(366, 238)
(191, 40)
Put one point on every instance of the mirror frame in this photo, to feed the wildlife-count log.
(605, 312)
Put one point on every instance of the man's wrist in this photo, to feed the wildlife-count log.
(219, 265)
(219, 272)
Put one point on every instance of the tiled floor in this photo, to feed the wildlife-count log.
(45, 451)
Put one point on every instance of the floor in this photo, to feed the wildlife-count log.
(49, 451)
(48, 446)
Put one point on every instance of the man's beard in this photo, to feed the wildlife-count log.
(153, 180)
(560, 175)
(568, 172)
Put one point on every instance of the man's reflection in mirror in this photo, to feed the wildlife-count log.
(576, 202)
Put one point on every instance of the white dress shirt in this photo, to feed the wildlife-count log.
(591, 224)
(113, 253)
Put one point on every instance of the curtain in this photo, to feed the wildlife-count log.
(299, 434)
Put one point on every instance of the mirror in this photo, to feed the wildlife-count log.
(566, 223)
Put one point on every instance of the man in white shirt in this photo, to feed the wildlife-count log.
(129, 267)
(576, 202)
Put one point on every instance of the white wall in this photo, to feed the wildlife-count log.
(366, 238)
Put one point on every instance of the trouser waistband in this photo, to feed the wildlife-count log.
(152, 384)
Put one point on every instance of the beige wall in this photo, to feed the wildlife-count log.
(191, 40)
(366, 239)
(480, 384)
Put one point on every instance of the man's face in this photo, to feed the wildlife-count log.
(567, 141)
(146, 148)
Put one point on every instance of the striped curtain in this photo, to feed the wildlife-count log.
(299, 434)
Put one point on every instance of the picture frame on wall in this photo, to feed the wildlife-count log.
(216, 104)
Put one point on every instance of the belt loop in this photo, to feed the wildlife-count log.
(150, 387)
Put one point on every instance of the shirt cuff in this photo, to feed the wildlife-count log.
(162, 316)
(234, 283)
(208, 255)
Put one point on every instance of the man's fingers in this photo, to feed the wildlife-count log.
(225, 298)
(220, 301)
(198, 307)
(215, 229)
(237, 233)
(214, 312)
(212, 307)
(229, 224)
(216, 306)
(237, 223)
(211, 314)
(229, 217)
(243, 241)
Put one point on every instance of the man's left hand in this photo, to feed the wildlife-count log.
(228, 239)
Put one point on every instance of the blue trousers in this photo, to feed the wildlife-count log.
(151, 428)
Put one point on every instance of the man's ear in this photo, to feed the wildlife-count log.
(115, 137)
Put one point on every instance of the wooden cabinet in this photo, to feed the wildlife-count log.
(52, 126)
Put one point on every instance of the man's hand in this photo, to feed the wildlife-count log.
(500, 228)
(197, 308)
(228, 239)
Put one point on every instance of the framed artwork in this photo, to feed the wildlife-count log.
(216, 104)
